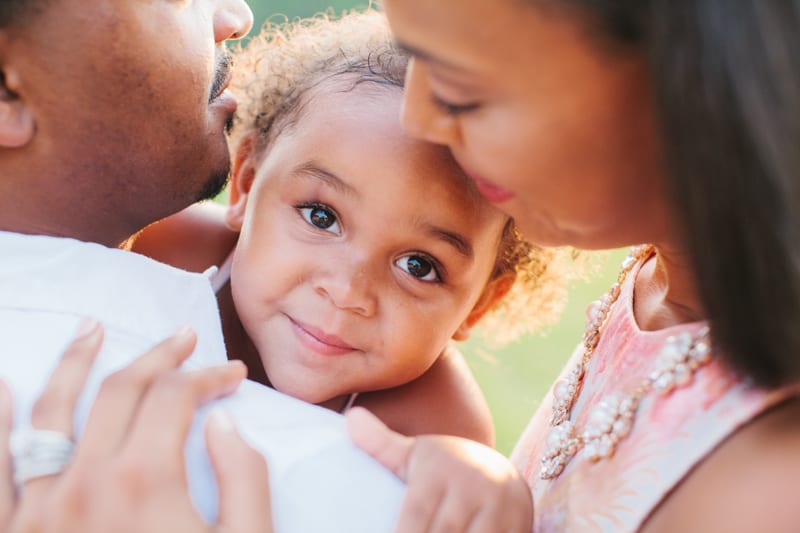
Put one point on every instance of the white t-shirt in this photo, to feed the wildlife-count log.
(319, 481)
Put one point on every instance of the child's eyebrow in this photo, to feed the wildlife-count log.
(312, 170)
(457, 241)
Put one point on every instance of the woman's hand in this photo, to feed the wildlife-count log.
(127, 473)
(454, 484)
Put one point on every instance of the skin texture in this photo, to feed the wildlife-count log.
(71, 144)
(295, 283)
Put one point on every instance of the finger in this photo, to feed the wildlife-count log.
(389, 448)
(121, 392)
(486, 521)
(242, 478)
(511, 512)
(455, 515)
(167, 410)
(419, 507)
(7, 489)
(55, 408)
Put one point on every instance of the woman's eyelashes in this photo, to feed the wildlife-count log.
(452, 108)
(320, 216)
(420, 267)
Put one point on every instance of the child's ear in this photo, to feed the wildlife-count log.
(242, 175)
(16, 121)
(494, 291)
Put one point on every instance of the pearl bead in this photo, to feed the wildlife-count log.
(621, 427)
(683, 375)
(561, 390)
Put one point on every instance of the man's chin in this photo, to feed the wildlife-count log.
(214, 185)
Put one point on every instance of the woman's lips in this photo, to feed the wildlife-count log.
(494, 193)
(317, 340)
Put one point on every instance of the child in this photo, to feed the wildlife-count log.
(356, 253)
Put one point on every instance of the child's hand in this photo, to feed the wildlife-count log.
(454, 484)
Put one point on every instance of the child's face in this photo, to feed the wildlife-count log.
(362, 252)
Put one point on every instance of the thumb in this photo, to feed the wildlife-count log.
(242, 478)
(388, 447)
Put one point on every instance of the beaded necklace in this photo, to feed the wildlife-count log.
(612, 418)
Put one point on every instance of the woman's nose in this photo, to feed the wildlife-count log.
(232, 20)
(421, 117)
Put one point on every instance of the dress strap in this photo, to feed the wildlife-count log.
(350, 401)
(222, 275)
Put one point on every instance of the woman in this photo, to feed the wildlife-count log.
(605, 124)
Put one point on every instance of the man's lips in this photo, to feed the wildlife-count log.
(319, 341)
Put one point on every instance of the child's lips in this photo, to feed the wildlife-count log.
(318, 340)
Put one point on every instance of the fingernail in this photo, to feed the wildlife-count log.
(183, 332)
(86, 327)
(237, 364)
(221, 421)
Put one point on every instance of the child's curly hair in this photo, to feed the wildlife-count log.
(287, 59)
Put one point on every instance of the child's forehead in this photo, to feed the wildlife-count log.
(351, 90)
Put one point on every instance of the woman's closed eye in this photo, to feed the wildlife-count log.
(452, 108)
(320, 216)
(420, 267)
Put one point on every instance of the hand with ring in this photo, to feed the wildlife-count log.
(128, 472)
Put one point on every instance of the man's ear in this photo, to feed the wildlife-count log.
(16, 121)
(494, 291)
(242, 176)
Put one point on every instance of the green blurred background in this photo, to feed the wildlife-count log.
(516, 376)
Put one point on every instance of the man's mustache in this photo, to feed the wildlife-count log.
(222, 74)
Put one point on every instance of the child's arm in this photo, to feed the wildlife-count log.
(445, 400)
(193, 239)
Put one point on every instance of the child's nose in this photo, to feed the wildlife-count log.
(349, 287)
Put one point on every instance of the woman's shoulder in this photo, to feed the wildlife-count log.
(747, 483)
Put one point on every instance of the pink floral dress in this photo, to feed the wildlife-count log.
(670, 435)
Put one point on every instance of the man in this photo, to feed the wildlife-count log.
(112, 115)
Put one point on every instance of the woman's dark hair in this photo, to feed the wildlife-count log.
(726, 80)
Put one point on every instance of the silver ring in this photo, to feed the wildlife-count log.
(39, 452)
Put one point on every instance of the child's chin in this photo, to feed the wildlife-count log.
(305, 395)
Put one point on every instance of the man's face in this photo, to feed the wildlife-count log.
(127, 101)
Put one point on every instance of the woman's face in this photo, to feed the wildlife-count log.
(556, 128)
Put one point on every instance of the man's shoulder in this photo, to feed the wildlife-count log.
(139, 300)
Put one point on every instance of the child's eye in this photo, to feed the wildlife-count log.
(320, 216)
(419, 266)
